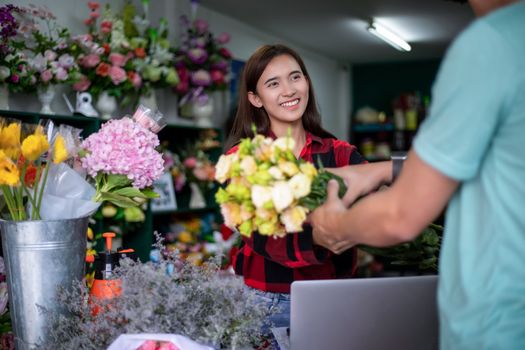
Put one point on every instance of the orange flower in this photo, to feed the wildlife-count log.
(107, 49)
(103, 69)
(140, 52)
(30, 176)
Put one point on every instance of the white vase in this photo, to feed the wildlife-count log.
(106, 105)
(149, 101)
(202, 112)
(45, 96)
(4, 97)
(196, 199)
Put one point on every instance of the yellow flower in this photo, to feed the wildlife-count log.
(10, 140)
(246, 228)
(293, 218)
(248, 165)
(59, 150)
(308, 169)
(247, 211)
(185, 237)
(288, 168)
(9, 174)
(284, 143)
(90, 233)
(231, 213)
(34, 146)
(276, 173)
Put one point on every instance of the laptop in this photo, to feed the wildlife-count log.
(365, 314)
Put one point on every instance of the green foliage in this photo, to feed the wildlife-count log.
(422, 252)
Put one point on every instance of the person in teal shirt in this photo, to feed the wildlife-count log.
(469, 154)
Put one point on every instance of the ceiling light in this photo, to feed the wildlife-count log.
(387, 35)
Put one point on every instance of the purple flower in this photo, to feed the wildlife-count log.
(66, 61)
(50, 55)
(61, 74)
(197, 55)
(15, 78)
(223, 38)
(201, 26)
(201, 78)
(46, 76)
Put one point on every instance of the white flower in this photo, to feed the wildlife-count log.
(276, 173)
(293, 218)
(248, 165)
(223, 167)
(282, 196)
(261, 195)
(231, 212)
(4, 73)
(284, 143)
(308, 169)
(301, 185)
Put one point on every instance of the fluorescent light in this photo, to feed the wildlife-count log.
(388, 36)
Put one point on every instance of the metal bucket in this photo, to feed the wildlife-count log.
(39, 257)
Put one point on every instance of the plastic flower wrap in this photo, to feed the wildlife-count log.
(268, 190)
(27, 152)
(122, 159)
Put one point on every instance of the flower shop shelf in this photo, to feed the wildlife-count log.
(186, 211)
(87, 124)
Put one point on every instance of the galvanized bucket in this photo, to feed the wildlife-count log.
(39, 257)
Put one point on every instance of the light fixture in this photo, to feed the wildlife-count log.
(387, 35)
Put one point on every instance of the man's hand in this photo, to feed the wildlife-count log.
(362, 179)
(326, 219)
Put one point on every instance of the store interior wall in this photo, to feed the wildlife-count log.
(329, 77)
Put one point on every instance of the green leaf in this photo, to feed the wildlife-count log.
(118, 200)
(149, 193)
(115, 181)
(129, 192)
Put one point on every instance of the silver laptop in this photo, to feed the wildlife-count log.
(365, 314)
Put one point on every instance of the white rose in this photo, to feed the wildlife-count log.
(282, 196)
(301, 185)
(284, 143)
(293, 218)
(261, 195)
(223, 167)
(248, 165)
(4, 73)
(276, 173)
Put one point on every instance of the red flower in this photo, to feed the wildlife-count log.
(225, 52)
(105, 27)
(140, 52)
(103, 69)
(107, 49)
(93, 5)
(30, 176)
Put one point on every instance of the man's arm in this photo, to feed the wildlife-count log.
(388, 217)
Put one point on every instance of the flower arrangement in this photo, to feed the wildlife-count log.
(105, 56)
(154, 56)
(49, 47)
(269, 190)
(202, 61)
(14, 68)
(171, 296)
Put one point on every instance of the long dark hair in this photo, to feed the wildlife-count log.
(247, 114)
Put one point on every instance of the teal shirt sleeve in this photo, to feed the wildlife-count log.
(467, 101)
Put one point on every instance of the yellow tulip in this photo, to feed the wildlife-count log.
(9, 174)
(10, 140)
(34, 146)
(59, 150)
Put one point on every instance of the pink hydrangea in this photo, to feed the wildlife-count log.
(126, 148)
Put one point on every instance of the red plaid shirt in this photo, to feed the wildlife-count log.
(272, 264)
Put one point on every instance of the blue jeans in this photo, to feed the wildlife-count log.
(279, 305)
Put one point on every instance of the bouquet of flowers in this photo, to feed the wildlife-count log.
(269, 190)
(105, 56)
(202, 61)
(14, 68)
(23, 174)
(152, 51)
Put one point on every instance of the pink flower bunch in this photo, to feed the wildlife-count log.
(51, 68)
(124, 147)
(105, 57)
(202, 62)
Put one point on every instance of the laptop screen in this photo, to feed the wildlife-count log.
(365, 314)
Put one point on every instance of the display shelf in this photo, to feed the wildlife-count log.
(186, 211)
(375, 127)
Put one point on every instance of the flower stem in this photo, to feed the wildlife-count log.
(35, 187)
(39, 203)
(11, 204)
